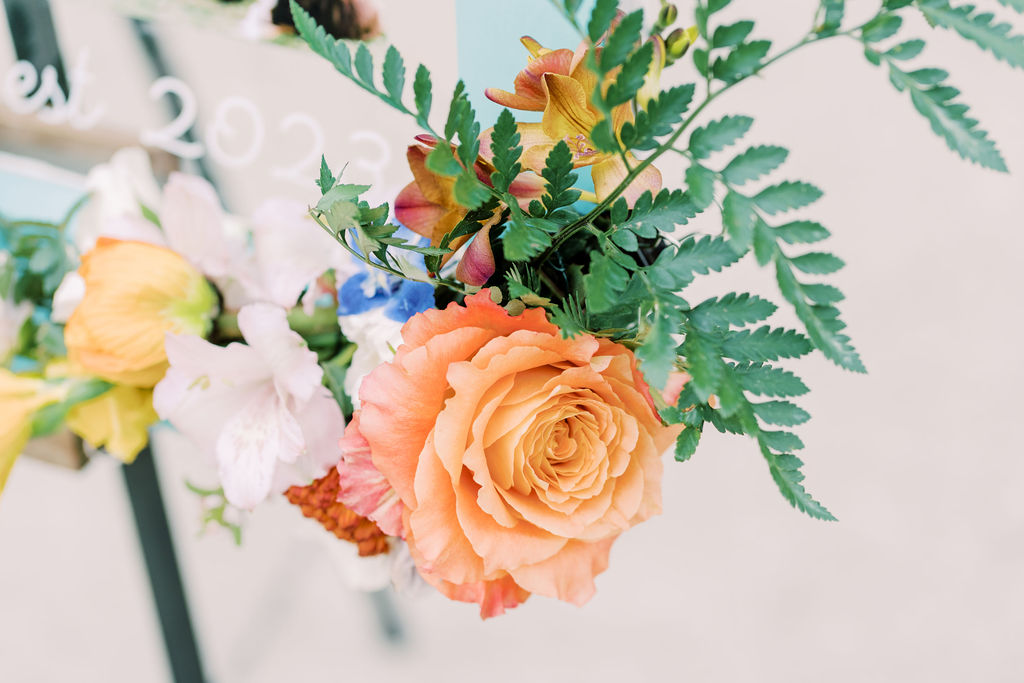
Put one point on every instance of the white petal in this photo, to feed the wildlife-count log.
(291, 250)
(67, 297)
(295, 367)
(250, 445)
(194, 223)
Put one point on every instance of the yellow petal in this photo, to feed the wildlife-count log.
(117, 420)
(610, 172)
(20, 398)
(566, 114)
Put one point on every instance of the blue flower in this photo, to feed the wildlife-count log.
(400, 299)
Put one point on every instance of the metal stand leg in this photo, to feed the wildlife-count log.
(162, 566)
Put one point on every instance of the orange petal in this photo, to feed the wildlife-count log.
(529, 87)
(610, 172)
(566, 113)
(569, 575)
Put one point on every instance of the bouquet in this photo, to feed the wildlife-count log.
(482, 377)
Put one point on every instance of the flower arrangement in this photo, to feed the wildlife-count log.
(484, 376)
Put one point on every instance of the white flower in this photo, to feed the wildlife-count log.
(259, 409)
(119, 189)
(376, 337)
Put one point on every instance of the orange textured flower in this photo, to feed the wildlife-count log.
(319, 501)
(134, 294)
(519, 455)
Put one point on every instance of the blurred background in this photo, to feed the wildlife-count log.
(922, 579)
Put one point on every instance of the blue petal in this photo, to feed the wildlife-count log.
(352, 299)
(409, 299)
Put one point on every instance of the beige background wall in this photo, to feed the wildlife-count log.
(921, 580)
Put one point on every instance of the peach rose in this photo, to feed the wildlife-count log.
(519, 456)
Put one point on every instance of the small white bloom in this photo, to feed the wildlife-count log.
(259, 409)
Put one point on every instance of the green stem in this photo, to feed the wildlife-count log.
(568, 231)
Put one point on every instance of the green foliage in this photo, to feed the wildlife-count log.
(660, 117)
(659, 213)
(620, 41)
(49, 419)
(978, 27)
(742, 61)
(833, 17)
(631, 77)
(559, 179)
(686, 444)
(948, 118)
(732, 309)
(1017, 5)
(787, 196)
(326, 181)
(718, 135)
(700, 185)
(506, 150)
(765, 344)
(733, 34)
(754, 163)
(881, 27)
(601, 18)
(739, 220)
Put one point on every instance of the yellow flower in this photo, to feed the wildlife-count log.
(134, 294)
(117, 421)
(565, 87)
(20, 398)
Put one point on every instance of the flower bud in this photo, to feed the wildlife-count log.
(667, 16)
(679, 41)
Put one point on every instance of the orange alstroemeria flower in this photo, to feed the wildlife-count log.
(427, 206)
(563, 92)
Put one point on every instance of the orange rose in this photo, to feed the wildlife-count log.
(519, 455)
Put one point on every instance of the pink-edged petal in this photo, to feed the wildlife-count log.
(527, 186)
(529, 87)
(265, 328)
(610, 172)
(416, 212)
(477, 264)
(568, 575)
(250, 445)
(193, 221)
(364, 489)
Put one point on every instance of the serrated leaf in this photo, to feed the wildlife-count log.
(668, 210)
(621, 40)
(703, 364)
(559, 177)
(630, 77)
(522, 241)
(782, 413)
(686, 444)
(742, 61)
(731, 309)
(978, 27)
(822, 294)
(657, 353)
(441, 160)
(787, 196)
(394, 73)
(658, 118)
(739, 220)
(785, 471)
(469, 191)
(717, 5)
(506, 151)
(732, 34)
(817, 263)
(326, 181)
(881, 27)
(700, 256)
(1017, 5)
(906, 50)
(700, 185)
(801, 232)
(929, 76)
(422, 92)
(364, 64)
(754, 163)
(605, 281)
(765, 380)
(718, 135)
(765, 344)
(601, 18)
(781, 441)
